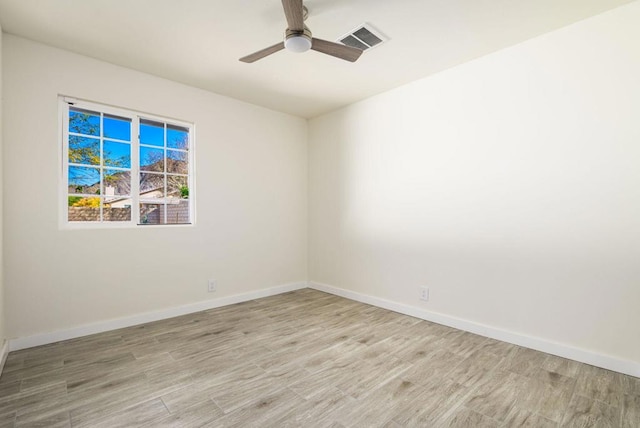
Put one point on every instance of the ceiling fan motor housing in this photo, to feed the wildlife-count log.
(298, 41)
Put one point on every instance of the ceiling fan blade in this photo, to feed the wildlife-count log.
(338, 50)
(294, 13)
(262, 53)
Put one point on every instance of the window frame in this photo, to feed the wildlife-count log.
(65, 104)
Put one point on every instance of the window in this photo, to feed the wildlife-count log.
(125, 168)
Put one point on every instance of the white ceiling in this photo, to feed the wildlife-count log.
(198, 42)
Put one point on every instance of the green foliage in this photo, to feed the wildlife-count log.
(73, 200)
(82, 153)
(84, 123)
(184, 192)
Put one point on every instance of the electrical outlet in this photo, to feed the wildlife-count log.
(212, 285)
(424, 293)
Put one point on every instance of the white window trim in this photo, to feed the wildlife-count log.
(64, 102)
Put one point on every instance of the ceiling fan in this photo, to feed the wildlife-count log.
(298, 38)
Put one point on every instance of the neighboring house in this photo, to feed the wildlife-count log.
(152, 196)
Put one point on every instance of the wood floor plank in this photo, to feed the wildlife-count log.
(141, 414)
(465, 418)
(630, 411)
(325, 358)
(523, 361)
(432, 404)
(31, 400)
(554, 400)
(436, 365)
(54, 420)
(7, 420)
(526, 419)
(600, 384)
(264, 409)
(237, 392)
(371, 375)
(561, 366)
(10, 388)
(322, 409)
(31, 370)
(328, 378)
(464, 344)
(197, 415)
(496, 397)
(501, 349)
(205, 386)
(588, 412)
(378, 406)
(473, 368)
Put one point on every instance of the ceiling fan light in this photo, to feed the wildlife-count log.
(297, 44)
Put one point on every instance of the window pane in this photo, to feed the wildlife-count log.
(116, 127)
(84, 201)
(177, 162)
(117, 154)
(151, 133)
(178, 213)
(150, 213)
(116, 183)
(84, 180)
(116, 212)
(177, 137)
(83, 209)
(84, 121)
(81, 213)
(177, 187)
(151, 185)
(151, 159)
(84, 150)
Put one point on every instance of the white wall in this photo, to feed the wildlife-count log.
(250, 196)
(509, 185)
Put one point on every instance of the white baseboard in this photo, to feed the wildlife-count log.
(85, 330)
(566, 351)
(4, 351)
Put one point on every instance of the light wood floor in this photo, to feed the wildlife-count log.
(305, 359)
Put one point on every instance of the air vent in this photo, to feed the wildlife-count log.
(363, 37)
